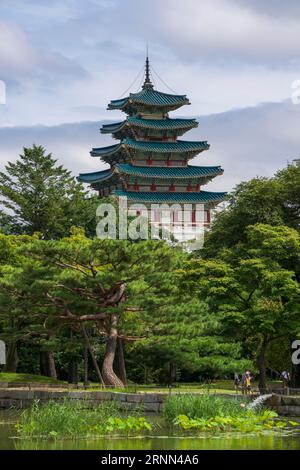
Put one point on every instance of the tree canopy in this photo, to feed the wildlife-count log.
(38, 195)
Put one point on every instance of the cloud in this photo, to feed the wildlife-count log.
(226, 29)
(76, 55)
(22, 61)
(272, 7)
(246, 143)
(16, 53)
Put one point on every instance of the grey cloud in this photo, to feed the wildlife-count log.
(247, 143)
(278, 8)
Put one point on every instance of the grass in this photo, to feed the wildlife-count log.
(200, 406)
(67, 419)
(217, 386)
(224, 387)
(218, 414)
(25, 378)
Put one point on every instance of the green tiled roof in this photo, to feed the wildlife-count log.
(95, 176)
(149, 97)
(166, 147)
(99, 152)
(149, 146)
(169, 172)
(151, 172)
(153, 197)
(157, 124)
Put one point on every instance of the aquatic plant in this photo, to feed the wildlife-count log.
(128, 425)
(70, 419)
(250, 422)
(200, 406)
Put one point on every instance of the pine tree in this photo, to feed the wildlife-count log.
(38, 195)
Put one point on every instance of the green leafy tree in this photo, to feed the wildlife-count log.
(289, 180)
(250, 287)
(273, 201)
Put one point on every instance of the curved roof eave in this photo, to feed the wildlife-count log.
(189, 171)
(154, 197)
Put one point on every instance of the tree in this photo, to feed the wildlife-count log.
(38, 195)
(257, 297)
(190, 336)
(289, 180)
(78, 282)
(273, 201)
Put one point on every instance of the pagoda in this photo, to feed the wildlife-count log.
(149, 164)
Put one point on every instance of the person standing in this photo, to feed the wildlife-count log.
(236, 382)
(246, 382)
(285, 377)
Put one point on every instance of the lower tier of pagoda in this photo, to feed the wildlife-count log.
(204, 197)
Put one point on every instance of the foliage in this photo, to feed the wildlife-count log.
(274, 201)
(204, 405)
(128, 425)
(231, 307)
(248, 423)
(74, 420)
(38, 195)
(54, 286)
(252, 287)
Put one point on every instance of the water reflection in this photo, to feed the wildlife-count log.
(265, 442)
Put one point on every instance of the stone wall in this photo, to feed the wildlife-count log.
(153, 402)
(285, 405)
(21, 398)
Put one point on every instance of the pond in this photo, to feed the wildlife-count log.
(159, 441)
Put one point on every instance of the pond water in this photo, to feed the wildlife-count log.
(159, 441)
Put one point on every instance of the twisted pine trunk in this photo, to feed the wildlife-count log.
(108, 374)
(121, 361)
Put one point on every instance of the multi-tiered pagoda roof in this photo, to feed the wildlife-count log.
(150, 164)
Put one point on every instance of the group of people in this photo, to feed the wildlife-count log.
(243, 382)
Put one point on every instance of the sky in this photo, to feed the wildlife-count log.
(63, 61)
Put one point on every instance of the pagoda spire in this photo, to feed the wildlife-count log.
(147, 82)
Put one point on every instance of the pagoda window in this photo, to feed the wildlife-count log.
(136, 186)
(153, 187)
(149, 161)
(169, 162)
(189, 188)
(172, 188)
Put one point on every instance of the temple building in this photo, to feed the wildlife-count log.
(150, 164)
